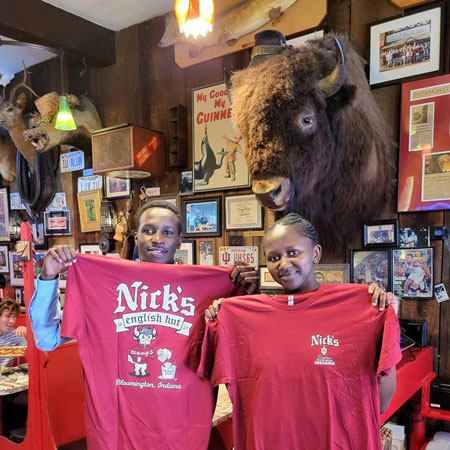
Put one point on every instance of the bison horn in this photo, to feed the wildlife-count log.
(329, 85)
(227, 79)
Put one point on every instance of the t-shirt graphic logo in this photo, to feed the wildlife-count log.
(141, 352)
(323, 359)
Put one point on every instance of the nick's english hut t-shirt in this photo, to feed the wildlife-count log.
(136, 323)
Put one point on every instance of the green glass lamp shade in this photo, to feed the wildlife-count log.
(64, 120)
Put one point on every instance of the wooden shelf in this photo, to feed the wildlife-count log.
(177, 151)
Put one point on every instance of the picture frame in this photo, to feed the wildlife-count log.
(216, 145)
(243, 212)
(15, 267)
(186, 253)
(371, 266)
(57, 223)
(117, 187)
(266, 280)
(206, 252)
(381, 233)
(89, 208)
(412, 272)
(4, 259)
(186, 182)
(202, 217)
(172, 199)
(90, 249)
(4, 215)
(332, 273)
(407, 47)
(40, 240)
(410, 237)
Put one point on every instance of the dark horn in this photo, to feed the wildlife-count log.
(226, 77)
(329, 85)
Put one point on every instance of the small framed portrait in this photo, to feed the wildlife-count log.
(381, 233)
(186, 182)
(117, 187)
(202, 217)
(243, 212)
(18, 296)
(414, 237)
(332, 273)
(89, 207)
(440, 293)
(371, 266)
(407, 47)
(4, 215)
(93, 249)
(4, 259)
(186, 253)
(266, 281)
(57, 223)
(16, 268)
(206, 249)
(412, 272)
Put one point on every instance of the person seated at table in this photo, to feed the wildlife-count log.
(14, 406)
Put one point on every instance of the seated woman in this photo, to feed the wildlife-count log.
(14, 406)
(311, 368)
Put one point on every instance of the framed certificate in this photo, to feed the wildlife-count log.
(243, 212)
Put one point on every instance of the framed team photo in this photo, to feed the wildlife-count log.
(412, 272)
(371, 266)
(381, 233)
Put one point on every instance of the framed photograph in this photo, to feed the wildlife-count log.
(216, 145)
(381, 233)
(117, 187)
(424, 154)
(202, 217)
(332, 273)
(57, 223)
(407, 47)
(18, 296)
(186, 253)
(93, 249)
(4, 259)
(243, 212)
(414, 237)
(440, 293)
(412, 272)
(172, 199)
(186, 182)
(371, 266)
(4, 215)
(266, 280)
(62, 280)
(15, 267)
(89, 207)
(40, 240)
(206, 252)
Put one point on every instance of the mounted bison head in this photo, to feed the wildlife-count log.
(316, 142)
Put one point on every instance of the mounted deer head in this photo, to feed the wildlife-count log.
(7, 156)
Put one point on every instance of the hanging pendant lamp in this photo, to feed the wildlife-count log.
(194, 16)
(64, 119)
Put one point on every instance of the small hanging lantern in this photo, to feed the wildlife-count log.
(108, 217)
(194, 16)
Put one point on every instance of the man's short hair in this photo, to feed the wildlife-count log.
(10, 306)
(159, 204)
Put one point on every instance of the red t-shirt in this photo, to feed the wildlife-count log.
(134, 323)
(303, 376)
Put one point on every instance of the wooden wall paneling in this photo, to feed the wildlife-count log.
(338, 18)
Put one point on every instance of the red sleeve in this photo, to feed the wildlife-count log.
(74, 308)
(390, 353)
(215, 362)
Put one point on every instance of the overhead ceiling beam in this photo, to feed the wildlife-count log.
(40, 23)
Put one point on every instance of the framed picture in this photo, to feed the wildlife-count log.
(186, 182)
(90, 249)
(206, 249)
(172, 199)
(371, 266)
(243, 212)
(381, 233)
(89, 207)
(40, 240)
(62, 280)
(117, 187)
(4, 259)
(414, 237)
(15, 267)
(4, 215)
(412, 272)
(186, 253)
(424, 154)
(216, 145)
(332, 273)
(57, 223)
(266, 280)
(202, 217)
(407, 47)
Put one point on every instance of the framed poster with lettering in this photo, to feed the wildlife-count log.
(424, 156)
(216, 145)
(243, 212)
(57, 223)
